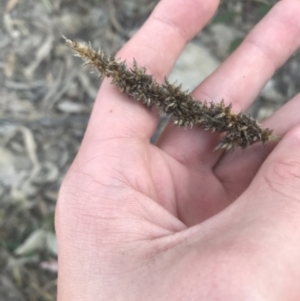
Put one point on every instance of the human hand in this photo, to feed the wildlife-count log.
(177, 221)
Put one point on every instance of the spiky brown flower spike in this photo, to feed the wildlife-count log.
(236, 129)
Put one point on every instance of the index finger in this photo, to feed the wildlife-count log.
(155, 46)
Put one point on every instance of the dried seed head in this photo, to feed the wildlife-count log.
(237, 130)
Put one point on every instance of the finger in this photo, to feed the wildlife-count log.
(262, 228)
(271, 204)
(240, 79)
(277, 184)
(231, 168)
(155, 46)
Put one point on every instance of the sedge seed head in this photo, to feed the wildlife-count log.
(237, 130)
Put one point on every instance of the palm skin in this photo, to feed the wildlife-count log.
(137, 221)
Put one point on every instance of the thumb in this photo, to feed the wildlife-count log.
(277, 184)
(268, 215)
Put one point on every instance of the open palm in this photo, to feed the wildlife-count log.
(125, 201)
